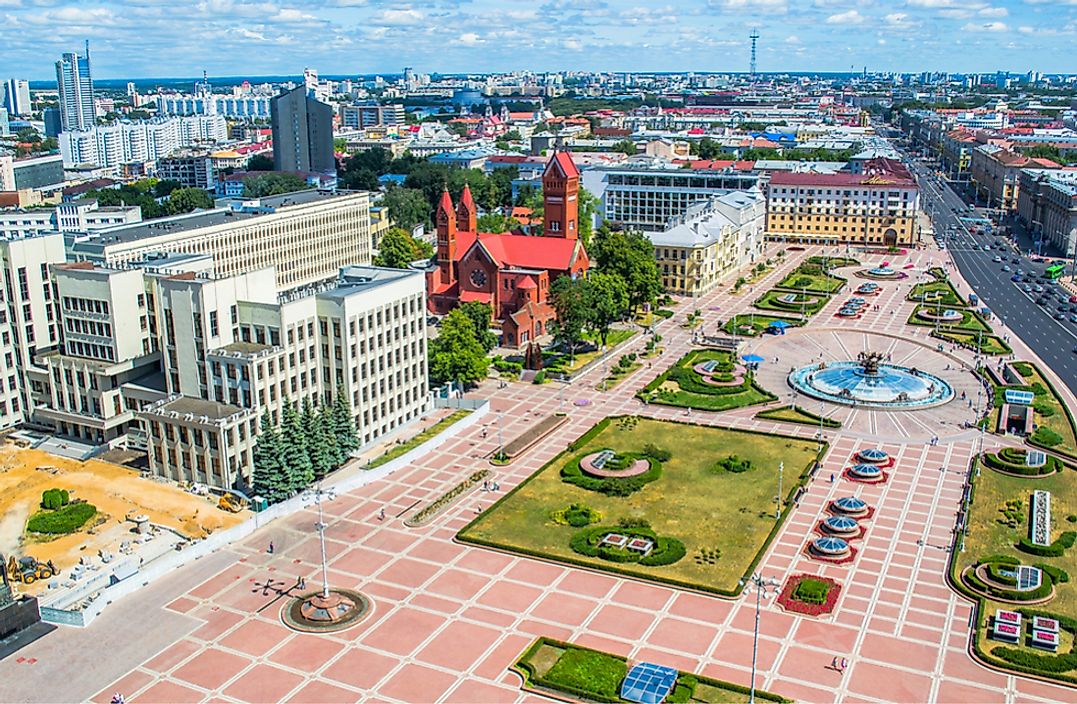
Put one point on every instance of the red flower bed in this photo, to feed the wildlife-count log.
(831, 560)
(861, 480)
(787, 602)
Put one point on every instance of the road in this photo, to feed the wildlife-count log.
(1053, 340)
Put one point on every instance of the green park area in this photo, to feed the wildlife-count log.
(755, 324)
(970, 321)
(791, 302)
(940, 291)
(976, 341)
(985, 563)
(726, 386)
(796, 414)
(1054, 421)
(695, 504)
(592, 675)
(810, 278)
(831, 263)
(592, 349)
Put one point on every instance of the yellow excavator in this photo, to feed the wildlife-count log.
(233, 503)
(28, 570)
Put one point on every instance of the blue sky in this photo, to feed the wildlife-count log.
(145, 38)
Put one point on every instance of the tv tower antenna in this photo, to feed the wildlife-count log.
(754, 36)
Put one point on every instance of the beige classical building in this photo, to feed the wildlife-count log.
(995, 174)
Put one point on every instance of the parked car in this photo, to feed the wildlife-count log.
(1006, 268)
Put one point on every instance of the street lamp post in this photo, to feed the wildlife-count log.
(319, 494)
(761, 586)
(500, 440)
(781, 472)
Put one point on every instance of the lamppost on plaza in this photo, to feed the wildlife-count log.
(318, 494)
(781, 472)
(500, 440)
(762, 584)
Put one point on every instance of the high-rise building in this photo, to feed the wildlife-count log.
(75, 86)
(53, 122)
(17, 97)
(302, 133)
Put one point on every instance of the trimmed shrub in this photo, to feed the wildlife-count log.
(576, 515)
(1057, 574)
(666, 552)
(611, 486)
(812, 591)
(587, 672)
(540, 377)
(64, 520)
(1046, 437)
(656, 453)
(1000, 559)
(734, 464)
(1055, 549)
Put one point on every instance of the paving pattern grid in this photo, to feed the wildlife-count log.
(449, 619)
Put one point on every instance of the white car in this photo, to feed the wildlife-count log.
(997, 259)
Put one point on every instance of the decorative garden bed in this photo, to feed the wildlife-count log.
(685, 384)
(1013, 461)
(515, 447)
(432, 509)
(809, 595)
(796, 414)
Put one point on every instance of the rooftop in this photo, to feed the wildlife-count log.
(186, 405)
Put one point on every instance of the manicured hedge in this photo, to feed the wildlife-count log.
(611, 486)
(1036, 594)
(63, 520)
(588, 672)
(1055, 549)
(666, 550)
(997, 461)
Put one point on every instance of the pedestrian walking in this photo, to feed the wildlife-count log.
(270, 547)
(831, 477)
(301, 582)
(841, 667)
(381, 514)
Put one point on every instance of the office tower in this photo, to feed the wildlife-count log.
(302, 133)
(53, 123)
(75, 86)
(5, 127)
(17, 97)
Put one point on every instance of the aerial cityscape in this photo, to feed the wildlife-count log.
(722, 351)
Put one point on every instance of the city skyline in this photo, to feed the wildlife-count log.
(230, 37)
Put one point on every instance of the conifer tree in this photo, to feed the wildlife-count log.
(326, 419)
(269, 479)
(344, 426)
(297, 465)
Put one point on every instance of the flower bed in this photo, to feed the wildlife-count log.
(529, 437)
(810, 595)
(664, 551)
(447, 498)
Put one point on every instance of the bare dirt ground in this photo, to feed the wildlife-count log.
(115, 491)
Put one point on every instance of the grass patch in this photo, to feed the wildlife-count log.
(62, 521)
(982, 343)
(562, 363)
(971, 321)
(417, 439)
(681, 386)
(997, 522)
(934, 291)
(689, 501)
(1050, 415)
(831, 263)
(809, 304)
(796, 414)
(620, 373)
(800, 280)
(754, 324)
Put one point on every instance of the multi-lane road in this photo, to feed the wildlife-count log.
(1055, 341)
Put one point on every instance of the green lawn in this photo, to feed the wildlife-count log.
(989, 535)
(986, 344)
(561, 362)
(753, 324)
(691, 501)
(832, 263)
(417, 439)
(810, 304)
(970, 320)
(1051, 414)
(681, 386)
(619, 374)
(796, 414)
(936, 290)
(812, 283)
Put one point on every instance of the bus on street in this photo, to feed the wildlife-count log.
(1054, 271)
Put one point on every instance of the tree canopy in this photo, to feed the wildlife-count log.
(273, 183)
(260, 162)
(630, 257)
(397, 249)
(571, 299)
(457, 354)
(481, 316)
(408, 207)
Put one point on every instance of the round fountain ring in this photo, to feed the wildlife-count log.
(871, 383)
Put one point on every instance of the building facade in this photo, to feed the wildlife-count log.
(30, 172)
(190, 169)
(1047, 205)
(994, 174)
(360, 117)
(147, 140)
(75, 86)
(75, 216)
(877, 208)
(17, 97)
(302, 133)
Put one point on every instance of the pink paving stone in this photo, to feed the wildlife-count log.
(683, 636)
(126, 685)
(360, 667)
(537, 628)
(247, 596)
(891, 611)
(810, 632)
(632, 593)
(606, 645)
(502, 656)
(402, 631)
(306, 653)
(484, 561)
(586, 584)
(899, 652)
(799, 691)
(386, 592)
(459, 645)
(182, 605)
(958, 664)
(736, 648)
(409, 573)
(437, 551)
(882, 682)
(662, 657)
(256, 637)
(772, 623)
(510, 597)
(922, 618)
(622, 622)
(728, 673)
(324, 693)
(215, 584)
(345, 531)
(167, 692)
(564, 609)
(951, 692)
(415, 683)
(537, 573)
(1049, 692)
(494, 618)
(263, 683)
(811, 664)
(434, 603)
(914, 632)
(171, 656)
(217, 622)
(457, 584)
(701, 608)
(476, 692)
(361, 561)
(310, 550)
(211, 668)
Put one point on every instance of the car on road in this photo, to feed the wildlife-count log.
(1020, 272)
(1041, 301)
(1016, 260)
(1015, 278)
(1073, 299)
(1060, 316)
(1038, 288)
(1027, 288)
(1073, 318)
(1006, 267)
(997, 259)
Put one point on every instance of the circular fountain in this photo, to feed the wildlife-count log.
(850, 506)
(872, 455)
(869, 382)
(883, 273)
(841, 525)
(949, 316)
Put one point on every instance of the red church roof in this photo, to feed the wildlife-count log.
(526, 252)
(465, 198)
(563, 161)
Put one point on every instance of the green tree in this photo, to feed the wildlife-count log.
(588, 205)
(340, 145)
(408, 207)
(496, 222)
(572, 301)
(347, 437)
(608, 298)
(184, 200)
(362, 180)
(164, 188)
(456, 354)
(707, 148)
(630, 256)
(327, 427)
(269, 478)
(297, 467)
(273, 184)
(625, 146)
(260, 162)
(319, 445)
(481, 315)
(396, 249)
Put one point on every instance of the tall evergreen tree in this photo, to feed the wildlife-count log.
(327, 425)
(321, 445)
(297, 465)
(270, 481)
(344, 427)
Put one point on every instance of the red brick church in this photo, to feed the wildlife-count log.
(511, 272)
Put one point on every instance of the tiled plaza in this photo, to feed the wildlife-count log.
(448, 619)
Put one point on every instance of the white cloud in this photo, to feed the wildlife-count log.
(850, 17)
(993, 12)
(572, 44)
(470, 39)
(398, 17)
(986, 27)
(792, 39)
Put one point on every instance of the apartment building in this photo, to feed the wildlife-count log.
(190, 169)
(1047, 205)
(146, 140)
(304, 236)
(360, 117)
(75, 216)
(878, 207)
(30, 172)
(994, 173)
(713, 239)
